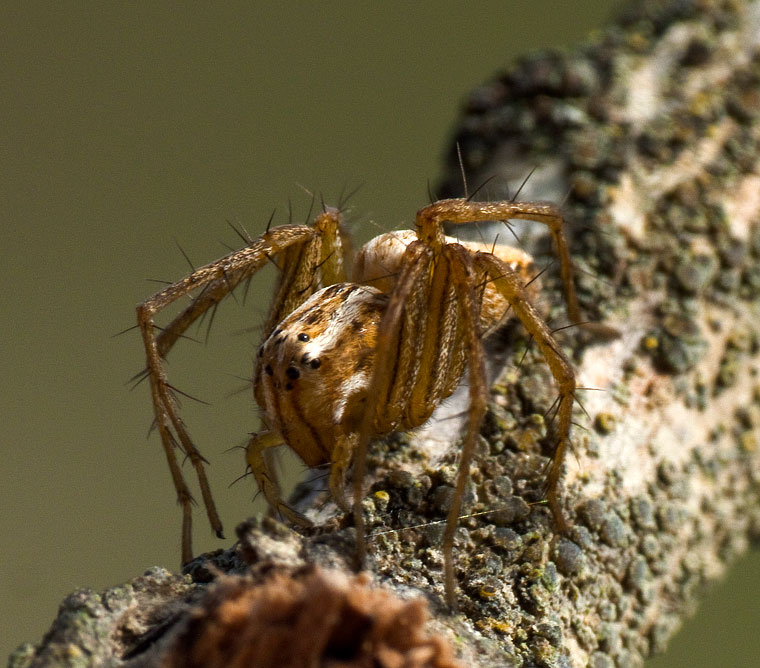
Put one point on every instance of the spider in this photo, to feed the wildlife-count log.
(343, 363)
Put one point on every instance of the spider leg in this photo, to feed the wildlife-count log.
(219, 278)
(417, 259)
(509, 285)
(440, 337)
(341, 458)
(265, 478)
(431, 218)
(465, 284)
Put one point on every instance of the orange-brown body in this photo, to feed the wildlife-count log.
(315, 368)
(344, 362)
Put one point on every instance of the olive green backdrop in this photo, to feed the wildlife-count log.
(127, 128)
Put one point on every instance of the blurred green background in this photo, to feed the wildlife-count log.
(127, 128)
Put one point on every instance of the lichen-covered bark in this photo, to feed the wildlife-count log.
(654, 130)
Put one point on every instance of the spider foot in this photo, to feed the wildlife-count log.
(293, 516)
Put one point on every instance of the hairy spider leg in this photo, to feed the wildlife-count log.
(510, 285)
(465, 282)
(397, 378)
(458, 211)
(430, 221)
(313, 259)
(436, 303)
(418, 257)
(265, 479)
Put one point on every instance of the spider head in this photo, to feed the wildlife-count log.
(314, 368)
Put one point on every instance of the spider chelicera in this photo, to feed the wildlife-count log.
(345, 362)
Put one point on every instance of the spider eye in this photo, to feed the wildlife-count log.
(303, 337)
(316, 363)
(292, 373)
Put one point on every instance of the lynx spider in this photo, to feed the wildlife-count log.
(343, 363)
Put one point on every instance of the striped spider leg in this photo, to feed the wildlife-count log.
(308, 256)
(445, 297)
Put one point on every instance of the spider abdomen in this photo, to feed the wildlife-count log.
(380, 261)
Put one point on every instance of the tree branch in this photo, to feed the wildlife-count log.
(653, 129)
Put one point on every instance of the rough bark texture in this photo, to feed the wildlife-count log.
(654, 129)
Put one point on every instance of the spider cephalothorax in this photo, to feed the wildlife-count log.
(345, 362)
